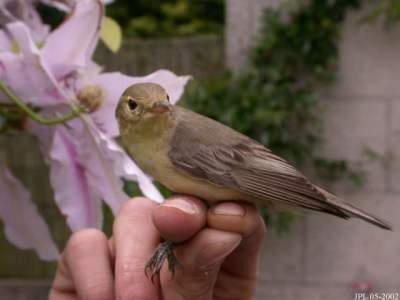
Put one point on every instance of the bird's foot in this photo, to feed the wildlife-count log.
(164, 251)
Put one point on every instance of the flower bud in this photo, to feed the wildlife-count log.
(91, 97)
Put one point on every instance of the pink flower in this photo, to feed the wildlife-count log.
(25, 11)
(23, 225)
(66, 5)
(86, 164)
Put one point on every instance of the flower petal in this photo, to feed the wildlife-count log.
(5, 42)
(69, 179)
(71, 45)
(24, 226)
(98, 164)
(25, 11)
(114, 85)
(25, 72)
(22, 35)
(63, 5)
(45, 135)
(67, 5)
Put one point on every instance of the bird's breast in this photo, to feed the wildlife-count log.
(152, 157)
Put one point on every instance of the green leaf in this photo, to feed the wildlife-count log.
(111, 34)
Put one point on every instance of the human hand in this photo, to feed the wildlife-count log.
(219, 251)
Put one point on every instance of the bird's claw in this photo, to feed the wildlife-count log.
(164, 251)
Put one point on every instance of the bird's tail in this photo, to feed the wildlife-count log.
(353, 211)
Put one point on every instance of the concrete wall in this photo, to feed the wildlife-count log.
(322, 257)
(182, 55)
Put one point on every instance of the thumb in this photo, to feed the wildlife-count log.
(200, 259)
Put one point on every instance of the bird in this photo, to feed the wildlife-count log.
(192, 154)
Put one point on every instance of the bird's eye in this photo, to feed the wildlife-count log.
(132, 104)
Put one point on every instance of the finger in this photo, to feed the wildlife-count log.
(240, 269)
(135, 239)
(179, 218)
(201, 258)
(84, 271)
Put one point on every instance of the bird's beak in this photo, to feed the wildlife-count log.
(161, 107)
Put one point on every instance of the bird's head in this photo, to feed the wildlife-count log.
(142, 104)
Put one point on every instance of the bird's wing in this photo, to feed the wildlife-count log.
(227, 158)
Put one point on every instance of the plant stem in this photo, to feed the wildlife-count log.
(75, 111)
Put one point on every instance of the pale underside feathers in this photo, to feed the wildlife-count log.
(208, 150)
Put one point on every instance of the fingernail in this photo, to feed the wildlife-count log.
(183, 205)
(229, 209)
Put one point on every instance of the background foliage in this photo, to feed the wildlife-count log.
(157, 18)
(388, 9)
(164, 18)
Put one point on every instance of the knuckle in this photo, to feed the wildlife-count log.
(130, 280)
(128, 272)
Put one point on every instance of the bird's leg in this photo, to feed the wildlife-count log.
(164, 251)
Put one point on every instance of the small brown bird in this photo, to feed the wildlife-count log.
(192, 154)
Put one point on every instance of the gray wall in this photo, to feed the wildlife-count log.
(322, 256)
(199, 56)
